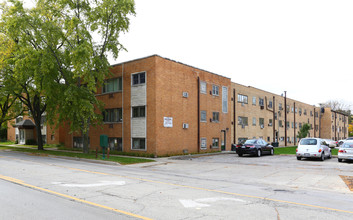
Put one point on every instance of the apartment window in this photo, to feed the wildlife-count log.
(112, 85)
(270, 122)
(261, 102)
(254, 100)
(138, 78)
(280, 106)
(78, 142)
(261, 122)
(243, 98)
(215, 142)
(19, 119)
(253, 121)
(287, 124)
(113, 115)
(203, 143)
(243, 121)
(139, 144)
(270, 104)
(292, 124)
(215, 90)
(138, 112)
(304, 111)
(115, 143)
(224, 99)
(280, 123)
(203, 87)
(215, 116)
(203, 116)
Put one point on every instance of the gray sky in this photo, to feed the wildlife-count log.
(302, 46)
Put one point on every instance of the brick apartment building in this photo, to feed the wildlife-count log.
(159, 106)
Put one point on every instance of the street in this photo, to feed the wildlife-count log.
(222, 186)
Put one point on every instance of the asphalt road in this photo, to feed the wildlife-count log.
(213, 187)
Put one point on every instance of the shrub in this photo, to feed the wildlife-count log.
(31, 142)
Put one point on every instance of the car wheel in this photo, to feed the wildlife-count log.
(339, 160)
(240, 155)
(299, 158)
(322, 156)
(259, 153)
(272, 152)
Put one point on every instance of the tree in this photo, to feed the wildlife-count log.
(336, 105)
(61, 56)
(304, 131)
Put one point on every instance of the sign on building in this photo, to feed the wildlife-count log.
(168, 122)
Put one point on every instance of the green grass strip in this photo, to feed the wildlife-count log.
(92, 156)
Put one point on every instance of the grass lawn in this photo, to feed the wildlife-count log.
(292, 150)
(120, 160)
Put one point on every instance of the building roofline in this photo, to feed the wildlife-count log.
(156, 55)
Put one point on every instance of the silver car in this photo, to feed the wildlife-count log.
(313, 148)
(345, 152)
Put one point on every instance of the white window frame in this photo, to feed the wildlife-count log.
(215, 90)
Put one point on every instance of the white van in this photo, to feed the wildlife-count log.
(313, 148)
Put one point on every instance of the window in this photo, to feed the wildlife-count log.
(115, 143)
(215, 116)
(215, 90)
(19, 119)
(270, 104)
(243, 98)
(78, 142)
(203, 116)
(113, 115)
(253, 121)
(138, 112)
(280, 106)
(270, 122)
(138, 78)
(139, 144)
(224, 99)
(112, 85)
(262, 122)
(215, 142)
(203, 143)
(203, 87)
(254, 100)
(280, 124)
(242, 121)
(261, 102)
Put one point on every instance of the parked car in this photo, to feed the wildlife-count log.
(340, 142)
(256, 147)
(331, 143)
(345, 152)
(313, 148)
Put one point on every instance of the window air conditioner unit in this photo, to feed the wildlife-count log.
(261, 126)
(242, 104)
(185, 125)
(111, 95)
(185, 94)
(242, 126)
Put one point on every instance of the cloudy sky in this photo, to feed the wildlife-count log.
(304, 47)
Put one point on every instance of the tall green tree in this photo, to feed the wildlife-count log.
(61, 56)
(304, 131)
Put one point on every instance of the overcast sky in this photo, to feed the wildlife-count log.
(304, 47)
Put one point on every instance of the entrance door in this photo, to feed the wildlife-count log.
(22, 137)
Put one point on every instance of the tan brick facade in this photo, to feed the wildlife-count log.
(187, 110)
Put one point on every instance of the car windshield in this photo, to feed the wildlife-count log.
(347, 145)
(250, 142)
(308, 142)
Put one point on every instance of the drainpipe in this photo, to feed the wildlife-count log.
(285, 118)
(295, 137)
(273, 121)
(335, 126)
(314, 123)
(234, 118)
(198, 114)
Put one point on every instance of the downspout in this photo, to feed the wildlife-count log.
(285, 119)
(198, 114)
(314, 123)
(122, 107)
(234, 118)
(273, 121)
(335, 126)
(295, 137)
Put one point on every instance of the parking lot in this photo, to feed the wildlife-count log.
(222, 186)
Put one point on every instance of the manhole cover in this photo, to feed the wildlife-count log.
(349, 181)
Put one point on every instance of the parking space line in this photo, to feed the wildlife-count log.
(20, 182)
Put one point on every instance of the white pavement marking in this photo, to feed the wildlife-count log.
(101, 183)
(199, 203)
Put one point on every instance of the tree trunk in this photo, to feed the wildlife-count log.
(37, 121)
(85, 140)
